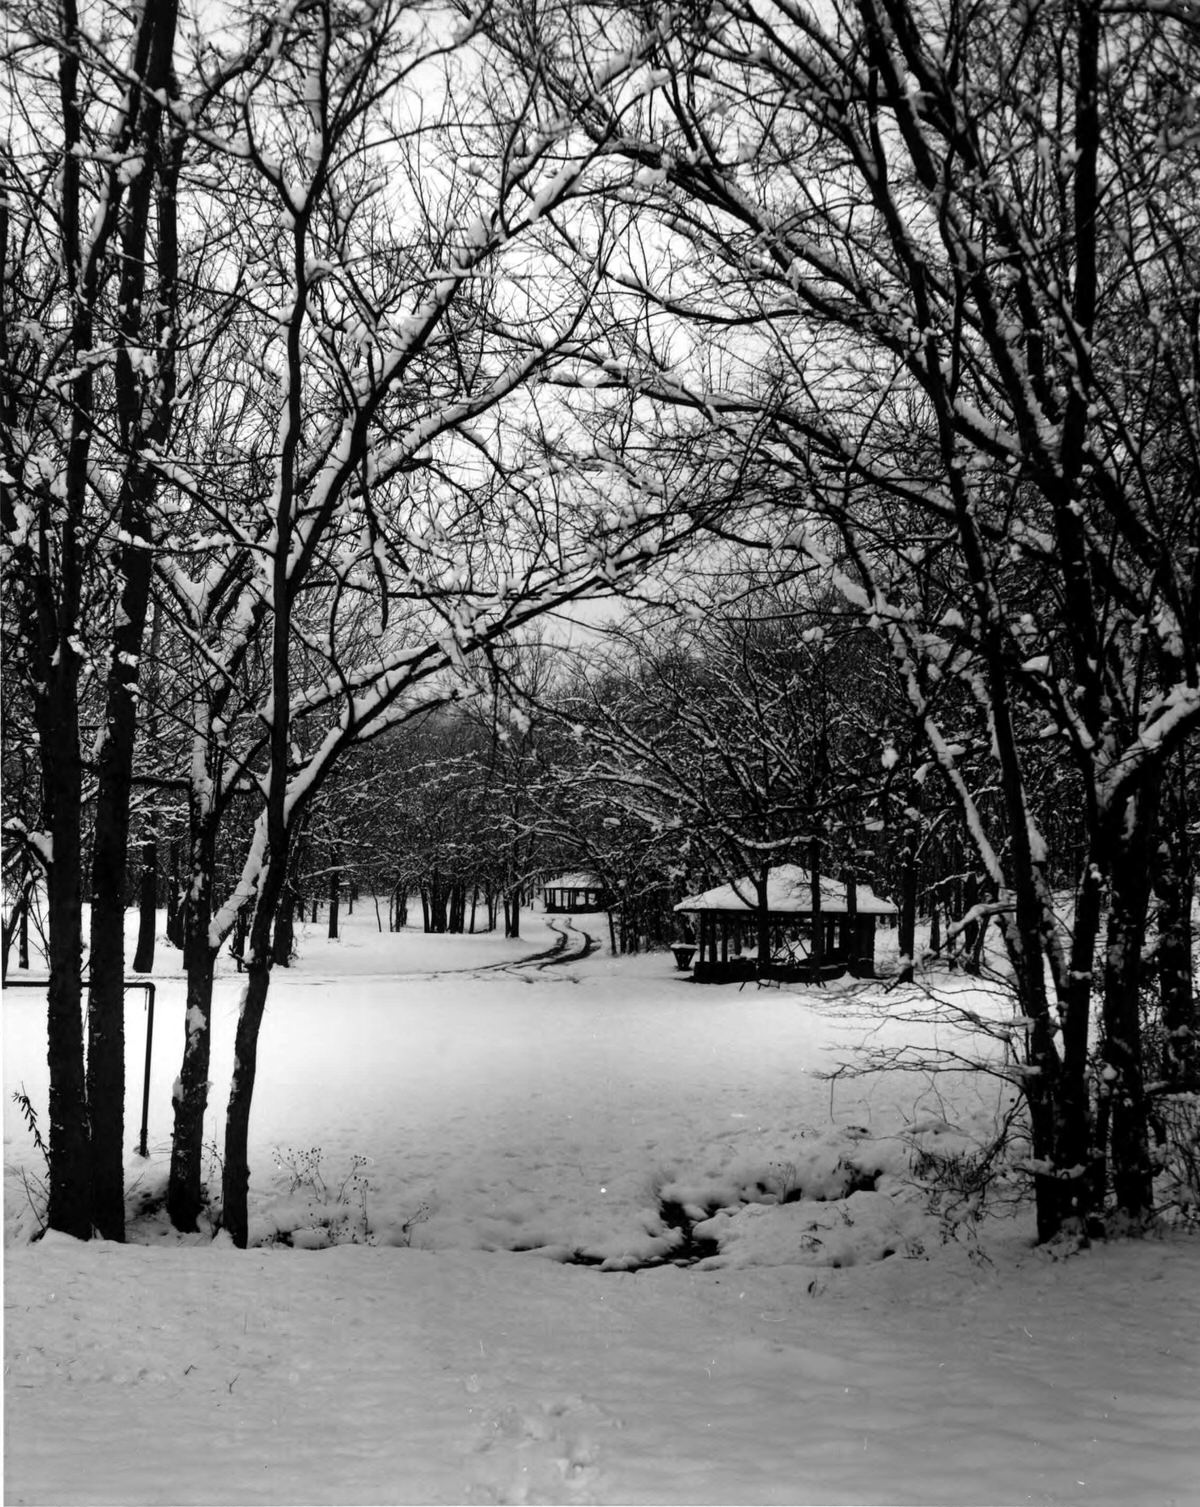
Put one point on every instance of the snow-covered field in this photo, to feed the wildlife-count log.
(506, 1159)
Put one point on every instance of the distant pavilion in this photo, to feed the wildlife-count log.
(572, 894)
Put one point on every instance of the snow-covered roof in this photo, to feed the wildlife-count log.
(789, 891)
(572, 882)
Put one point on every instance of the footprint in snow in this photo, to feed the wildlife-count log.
(539, 1452)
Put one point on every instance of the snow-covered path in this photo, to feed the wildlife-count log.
(836, 1349)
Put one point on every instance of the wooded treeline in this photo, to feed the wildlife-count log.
(856, 346)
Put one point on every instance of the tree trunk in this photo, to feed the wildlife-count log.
(10, 927)
(907, 925)
(237, 942)
(972, 932)
(1075, 996)
(23, 929)
(106, 993)
(143, 957)
(110, 856)
(236, 1173)
(283, 940)
(335, 891)
(106, 1030)
(18, 925)
(175, 932)
(1174, 885)
(189, 1098)
(854, 960)
(1059, 1126)
(69, 1206)
(235, 1181)
(185, 1191)
(762, 917)
(817, 951)
(1123, 1074)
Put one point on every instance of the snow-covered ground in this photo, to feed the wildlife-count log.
(506, 1158)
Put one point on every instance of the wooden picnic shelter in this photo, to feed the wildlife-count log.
(727, 921)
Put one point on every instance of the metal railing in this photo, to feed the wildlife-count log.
(149, 986)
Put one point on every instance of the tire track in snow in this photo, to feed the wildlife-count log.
(558, 954)
(549, 957)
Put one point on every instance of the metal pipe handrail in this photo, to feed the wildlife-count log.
(142, 1148)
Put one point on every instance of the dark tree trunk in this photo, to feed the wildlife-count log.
(907, 928)
(818, 920)
(175, 930)
(185, 1194)
(106, 994)
(143, 957)
(236, 1174)
(23, 930)
(335, 891)
(12, 927)
(762, 918)
(110, 854)
(237, 943)
(185, 1191)
(1174, 885)
(1123, 1077)
(1060, 1128)
(236, 1171)
(70, 1206)
(1075, 1015)
(284, 937)
(398, 909)
(854, 960)
(972, 932)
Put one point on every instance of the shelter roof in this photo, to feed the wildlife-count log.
(789, 892)
(580, 881)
